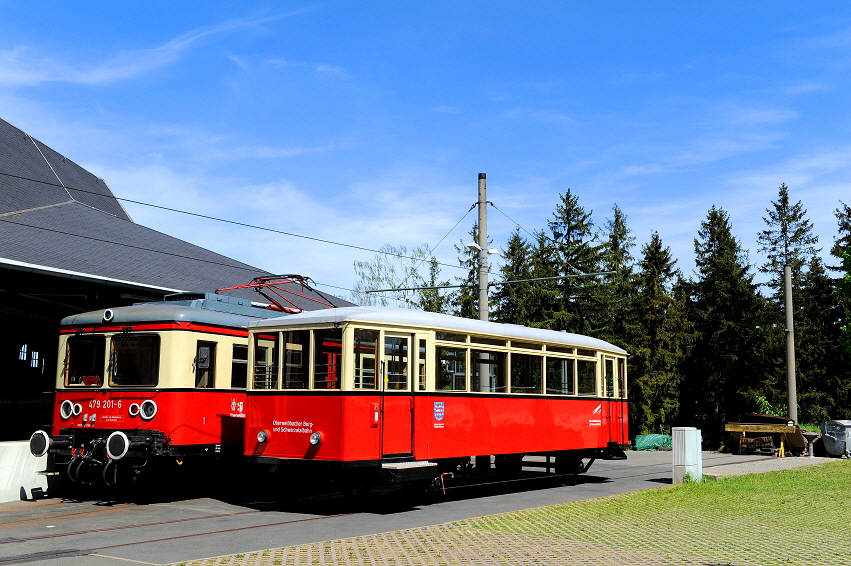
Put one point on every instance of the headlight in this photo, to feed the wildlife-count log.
(117, 445)
(262, 436)
(147, 409)
(77, 409)
(316, 438)
(39, 443)
(133, 409)
(66, 409)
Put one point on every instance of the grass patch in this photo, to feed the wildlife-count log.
(758, 518)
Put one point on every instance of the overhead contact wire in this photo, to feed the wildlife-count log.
(207, 217)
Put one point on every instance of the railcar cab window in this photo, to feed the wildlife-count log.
(85, 361)
(134, 359)
(205, 364)
(365, 347)
(327, 369)
(239, 367)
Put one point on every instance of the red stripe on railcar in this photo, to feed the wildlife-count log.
(187, 417)
(156, 327)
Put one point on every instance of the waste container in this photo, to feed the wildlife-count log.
(688, 459)
(836, 436)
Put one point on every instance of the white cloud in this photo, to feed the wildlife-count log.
(324, 69)
(24, 66)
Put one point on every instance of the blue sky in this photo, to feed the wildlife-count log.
(368, 122)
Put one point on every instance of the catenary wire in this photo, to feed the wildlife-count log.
(514, 221)
(207, 217)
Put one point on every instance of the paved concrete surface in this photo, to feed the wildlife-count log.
(77, 533)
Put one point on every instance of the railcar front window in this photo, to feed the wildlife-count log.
(239, 367)
(366, 344)
(329, 357)
(488, 371)
(560, 376)
(587, 374)
(84, 361)
(452, 368)
(296, 359)
(525, 373)
(134, 360)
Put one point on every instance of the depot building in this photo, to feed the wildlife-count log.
(68, 246)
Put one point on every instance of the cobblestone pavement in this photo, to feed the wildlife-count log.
(586, 538)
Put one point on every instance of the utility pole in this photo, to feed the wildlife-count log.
(483, 462)
(791, 387)
(483, 248)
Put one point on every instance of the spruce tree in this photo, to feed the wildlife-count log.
(721, 373)
(465, 301)
(433, 300)
(788, 240)
(574, 252)
(614, 294)
(511, 299)
(544, 296)
(842, 241)
(658, 343)
(820, 360)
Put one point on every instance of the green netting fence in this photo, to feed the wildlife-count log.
(652, 441)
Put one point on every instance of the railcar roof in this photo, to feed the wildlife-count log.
(180, 311)
(410, 317)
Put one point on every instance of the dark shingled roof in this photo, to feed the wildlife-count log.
(57, 216)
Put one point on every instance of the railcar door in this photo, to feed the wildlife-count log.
(612, 407)
(396, 398)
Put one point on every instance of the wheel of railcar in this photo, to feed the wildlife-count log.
(569, 464)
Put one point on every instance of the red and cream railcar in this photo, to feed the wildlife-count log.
(149, 382)
(396, 394)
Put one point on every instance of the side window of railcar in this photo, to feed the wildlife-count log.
(525, 373)
(296, 359)
(266, 361)
(451, 368)
(239, 367)
(561, 376)
(205, 364)
(134, 359)
(84, 360)
(586, 371)
(488, 371)
(365, 347)
(622, 377)
(327, 369)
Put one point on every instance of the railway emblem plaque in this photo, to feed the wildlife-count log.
(438, 410)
